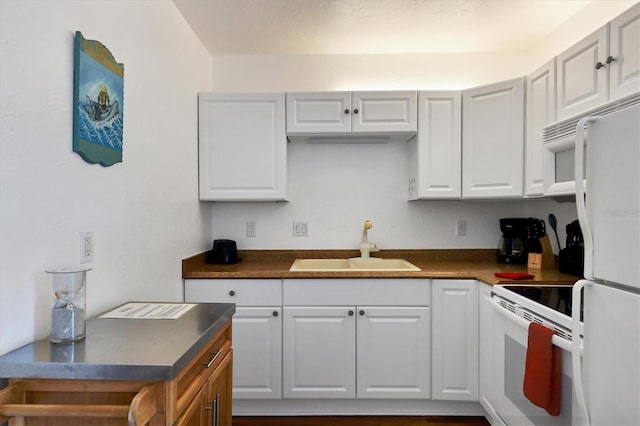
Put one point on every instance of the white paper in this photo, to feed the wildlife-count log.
(149, 310)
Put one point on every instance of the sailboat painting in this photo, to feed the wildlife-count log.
(98, 103)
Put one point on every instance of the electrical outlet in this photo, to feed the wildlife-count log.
(86, 247)
(461, 228)
(251, 229)
(300, 229)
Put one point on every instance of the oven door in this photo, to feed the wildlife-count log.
(510, 349)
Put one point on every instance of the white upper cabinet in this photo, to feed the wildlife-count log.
(603, 66)
(321, 112)
(493, 140)
(582, 83)
(351, 112)
(541, 110)
(242, 147)
(384, 112)
(624, 50)
(435, 154)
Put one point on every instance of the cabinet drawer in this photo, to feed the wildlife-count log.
(240, 292)
(350, 292)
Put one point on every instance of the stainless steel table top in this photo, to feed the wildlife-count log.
(122, 349)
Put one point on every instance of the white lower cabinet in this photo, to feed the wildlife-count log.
(257, 353)
(485, 355)
(319, 352)
(394, 352)
(455, 340)
(357, 350)
(256, 329)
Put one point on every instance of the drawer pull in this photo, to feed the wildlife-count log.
(213, 359)
(232, 293)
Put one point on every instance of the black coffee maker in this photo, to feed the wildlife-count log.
(513, 244)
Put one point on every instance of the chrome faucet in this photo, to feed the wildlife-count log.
(365, 246)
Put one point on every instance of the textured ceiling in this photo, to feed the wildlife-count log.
(271, 27)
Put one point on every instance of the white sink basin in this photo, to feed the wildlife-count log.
(354, 264)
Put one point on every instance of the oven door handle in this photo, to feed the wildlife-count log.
(556, 340)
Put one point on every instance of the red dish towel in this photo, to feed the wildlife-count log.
(543, 370)
(514, 275)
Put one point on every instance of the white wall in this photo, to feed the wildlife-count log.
(144, 212)
(335, 188)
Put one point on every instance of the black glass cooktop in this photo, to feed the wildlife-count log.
(557, 298)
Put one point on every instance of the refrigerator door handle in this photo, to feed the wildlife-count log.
(580, 195)
(576, 361)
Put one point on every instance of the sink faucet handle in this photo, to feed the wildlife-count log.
(367, 225)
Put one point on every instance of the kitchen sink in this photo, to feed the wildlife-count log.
(354, 264)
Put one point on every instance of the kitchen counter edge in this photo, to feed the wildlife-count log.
(480, 264)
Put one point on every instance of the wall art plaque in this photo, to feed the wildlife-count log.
(98, 103)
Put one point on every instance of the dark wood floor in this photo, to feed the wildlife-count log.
(361, 421)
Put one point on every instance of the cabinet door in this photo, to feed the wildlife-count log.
(242, 147)
(581, 86)
(384, 112)
(319, 352)
(435, 154)
(493, 140)
(455, 340)
(218, 401)
(394, 352)
(257, 344)
(624, 71)
(485, 348)
(541, 110)
(195, 413)
(322, 112)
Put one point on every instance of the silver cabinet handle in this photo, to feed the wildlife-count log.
(214, 407)
(215, 356)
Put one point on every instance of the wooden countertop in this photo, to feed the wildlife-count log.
(478, 264)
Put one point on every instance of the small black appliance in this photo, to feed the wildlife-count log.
(513, 244)
(571, 258)
(224, 252)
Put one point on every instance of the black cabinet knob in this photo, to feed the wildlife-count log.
(232, 293)
(346, 111)
(350, 313)
(275, 313)
(355, 111)
(361, 312)
(610, 59)
(599, 65)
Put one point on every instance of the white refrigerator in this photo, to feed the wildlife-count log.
(609, 217)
